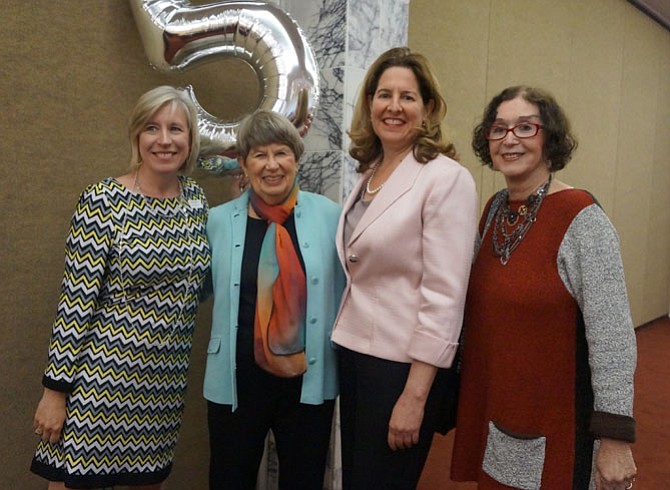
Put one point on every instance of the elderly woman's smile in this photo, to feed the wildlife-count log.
(271, 170)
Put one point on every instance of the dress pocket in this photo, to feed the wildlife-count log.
(515, 460)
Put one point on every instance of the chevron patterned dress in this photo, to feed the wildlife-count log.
(121, 339)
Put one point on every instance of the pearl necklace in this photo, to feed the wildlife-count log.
(372, 175)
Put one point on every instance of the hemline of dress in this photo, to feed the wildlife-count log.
(98, 481)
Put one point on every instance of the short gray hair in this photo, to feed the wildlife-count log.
(264, 127)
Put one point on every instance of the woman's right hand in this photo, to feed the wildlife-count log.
(50, 416)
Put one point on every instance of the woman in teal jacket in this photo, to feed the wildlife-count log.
(256, 379)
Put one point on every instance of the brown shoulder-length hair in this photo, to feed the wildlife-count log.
(559, 143)
(147, 105)
(365, 145)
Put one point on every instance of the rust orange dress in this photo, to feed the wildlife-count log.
(549, 353)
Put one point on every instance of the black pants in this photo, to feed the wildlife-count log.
(265, 402)
(369, 389)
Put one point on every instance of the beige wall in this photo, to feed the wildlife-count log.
(609, 66)
(71, 71)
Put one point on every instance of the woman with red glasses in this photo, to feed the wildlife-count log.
(549, 349)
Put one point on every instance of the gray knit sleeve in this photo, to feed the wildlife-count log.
(590, 265)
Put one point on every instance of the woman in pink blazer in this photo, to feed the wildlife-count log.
(405, 239)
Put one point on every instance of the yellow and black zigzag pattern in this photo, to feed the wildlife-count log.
(122, 335)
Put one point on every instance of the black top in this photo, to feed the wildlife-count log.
(255, 233)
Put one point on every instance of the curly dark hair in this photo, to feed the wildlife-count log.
(559, 143)
(365, 145)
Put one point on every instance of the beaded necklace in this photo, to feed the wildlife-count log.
(393, 163)
(372, 175)
(506, 219)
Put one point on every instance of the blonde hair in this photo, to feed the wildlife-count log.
(147, 105)
(365, 145)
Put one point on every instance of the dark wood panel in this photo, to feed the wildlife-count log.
(659, 10)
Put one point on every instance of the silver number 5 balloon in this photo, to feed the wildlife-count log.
(177, 36)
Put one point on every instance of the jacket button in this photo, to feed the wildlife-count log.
(353, 258)
(312, 360)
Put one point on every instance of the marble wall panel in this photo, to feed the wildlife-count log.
(346, 36)
(320, 172)
(327, 130)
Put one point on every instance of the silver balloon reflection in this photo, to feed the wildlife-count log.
(177, 36)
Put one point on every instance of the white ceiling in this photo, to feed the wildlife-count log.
(659, 10)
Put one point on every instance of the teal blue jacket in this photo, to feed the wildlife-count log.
(316, 220)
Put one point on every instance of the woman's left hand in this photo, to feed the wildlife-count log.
(615, 468)
(405, 422)
(408, 410)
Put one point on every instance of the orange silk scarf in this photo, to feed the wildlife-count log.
(279, 325)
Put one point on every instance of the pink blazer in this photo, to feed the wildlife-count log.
(407, 264)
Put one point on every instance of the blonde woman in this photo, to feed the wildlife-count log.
(136, 258)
